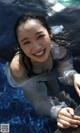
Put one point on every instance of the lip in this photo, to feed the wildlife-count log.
(39, 53)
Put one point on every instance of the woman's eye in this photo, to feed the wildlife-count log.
(41, 36)
(28, 42)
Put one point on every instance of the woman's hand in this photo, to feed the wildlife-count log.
(66, 118)
(76, 78)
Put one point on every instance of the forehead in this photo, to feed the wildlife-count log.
(30, 25)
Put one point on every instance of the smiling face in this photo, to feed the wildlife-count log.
(34, 40)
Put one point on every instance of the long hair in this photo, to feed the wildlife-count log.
(42, 20)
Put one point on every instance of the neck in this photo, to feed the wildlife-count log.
(40, 67)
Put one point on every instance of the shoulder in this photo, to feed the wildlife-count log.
(17, 67)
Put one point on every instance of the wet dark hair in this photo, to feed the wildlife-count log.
(42, 20)
(30, 16)
(22, 19)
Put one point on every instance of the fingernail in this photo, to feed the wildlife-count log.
(72, 114)
(76, 126)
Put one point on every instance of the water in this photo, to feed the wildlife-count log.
(69, 1)
(16, 110)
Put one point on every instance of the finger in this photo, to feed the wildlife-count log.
(78, 89)
(74, 122)
(60, 125)
(76, 117)
(75, 126)
(64, 123)
(66, 113)
(69, 121)
(71, 111)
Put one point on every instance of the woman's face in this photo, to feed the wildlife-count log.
(34, 40)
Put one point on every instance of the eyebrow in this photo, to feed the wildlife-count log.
(39, 32)
(28, 38)
(24, 39)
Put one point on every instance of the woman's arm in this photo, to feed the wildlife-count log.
(34, 89)
(65, 67)
(36, 92)
(15, 71)
(67, 72)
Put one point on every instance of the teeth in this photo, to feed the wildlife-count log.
(40, 53)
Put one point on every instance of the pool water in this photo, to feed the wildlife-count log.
(69, 1)
(18, 112)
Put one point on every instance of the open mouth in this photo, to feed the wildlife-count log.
(40, 54)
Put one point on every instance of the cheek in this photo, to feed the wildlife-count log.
(47, 42)
(25, 49)
(47, 39)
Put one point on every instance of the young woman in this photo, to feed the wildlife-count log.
(36, 66)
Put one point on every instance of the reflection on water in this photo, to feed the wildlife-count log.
(69, 1)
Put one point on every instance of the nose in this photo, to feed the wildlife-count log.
(37, 46)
